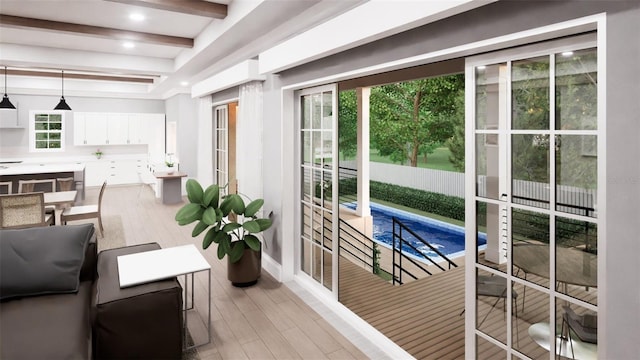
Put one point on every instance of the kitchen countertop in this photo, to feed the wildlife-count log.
(39, 169)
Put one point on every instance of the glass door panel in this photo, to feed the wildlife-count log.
(222, 146)
(317, 181)
(536, 178)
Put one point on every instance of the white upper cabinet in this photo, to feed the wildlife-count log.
(96, 129)
(92, 128)
(117, 129)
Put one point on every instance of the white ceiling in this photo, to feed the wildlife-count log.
(251, 26)
(274, 30)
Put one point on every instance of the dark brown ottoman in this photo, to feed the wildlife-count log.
(141, 322)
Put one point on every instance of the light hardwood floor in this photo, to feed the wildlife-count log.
(265, 321)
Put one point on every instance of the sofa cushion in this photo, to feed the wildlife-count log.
(42, 260)
(56, 326)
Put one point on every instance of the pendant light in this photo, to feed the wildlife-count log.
(6, 103)
(62, 105)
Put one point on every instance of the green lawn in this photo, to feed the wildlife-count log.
(438, 160)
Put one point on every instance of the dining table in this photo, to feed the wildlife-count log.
(60, 199)
(573, 266)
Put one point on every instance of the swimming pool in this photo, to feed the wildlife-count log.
(447, 238)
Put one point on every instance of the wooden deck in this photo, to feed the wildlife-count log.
(423, 317)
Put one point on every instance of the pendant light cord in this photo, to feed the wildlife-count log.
(5, 79)
(62, 84)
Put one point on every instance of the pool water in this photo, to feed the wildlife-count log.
(447, 238)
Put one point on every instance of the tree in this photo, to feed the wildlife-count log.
(456, 142)
(347, 124)
(410, 118)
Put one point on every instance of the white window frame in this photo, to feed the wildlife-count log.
(33, 131)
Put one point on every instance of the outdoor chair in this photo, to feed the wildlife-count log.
(584, 327)
(85, 212)
(19, 211)
(495, 286)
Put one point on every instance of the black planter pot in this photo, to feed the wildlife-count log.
(246, 271)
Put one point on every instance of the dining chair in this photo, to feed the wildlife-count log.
(23, 210)
(85, 212)
(65, 184)
(8, 185)
(27, 186)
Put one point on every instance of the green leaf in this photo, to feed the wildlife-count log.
(219, 215)
(194, 191)
(251, 226)
(221, 252)
(209, 216)
(209, 238)
(253, 207)
(264, 223)
(220, 236)
(237, 204)
(226, 207)
(189, 213)
(253, 242)
(211, 196)
(230, 227)
(199, 228)
(225, 246)
(237, 249)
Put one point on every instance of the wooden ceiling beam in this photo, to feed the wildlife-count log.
(193, 7)
(68, 75)
(95, 31)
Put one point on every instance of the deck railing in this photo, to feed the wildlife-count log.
(399, 254)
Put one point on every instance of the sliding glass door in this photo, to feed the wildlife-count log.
(533, 121)
(318, 195)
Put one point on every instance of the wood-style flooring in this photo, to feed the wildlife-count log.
(265, 321)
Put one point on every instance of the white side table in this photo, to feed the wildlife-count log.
(149, 266)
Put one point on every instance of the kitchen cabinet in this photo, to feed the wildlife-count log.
(116, 171)
(118, 129)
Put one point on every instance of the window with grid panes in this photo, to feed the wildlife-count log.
(47, 131)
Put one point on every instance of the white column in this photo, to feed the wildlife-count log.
(362, 155)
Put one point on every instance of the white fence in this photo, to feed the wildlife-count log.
(437, 181)
(569, 199)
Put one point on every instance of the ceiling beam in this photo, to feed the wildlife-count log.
(95, 31)
(193, 7)
(68, 75)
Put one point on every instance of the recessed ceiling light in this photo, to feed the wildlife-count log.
(136, 17)
(567, 53)
(481, 67)
(129, 45)
(184, 83)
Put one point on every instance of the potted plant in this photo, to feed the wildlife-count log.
(98, 153)
(231, 224)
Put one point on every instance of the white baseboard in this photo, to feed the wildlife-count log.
(272, 267)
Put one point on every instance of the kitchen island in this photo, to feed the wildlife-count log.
(14, 172)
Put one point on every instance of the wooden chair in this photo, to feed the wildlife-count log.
(19, 211)
(85, 212)
(65, 184)
(27, 186)
(8, 185)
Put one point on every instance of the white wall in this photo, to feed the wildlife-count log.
(183, 110)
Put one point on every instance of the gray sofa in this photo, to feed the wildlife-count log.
(47, 277)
